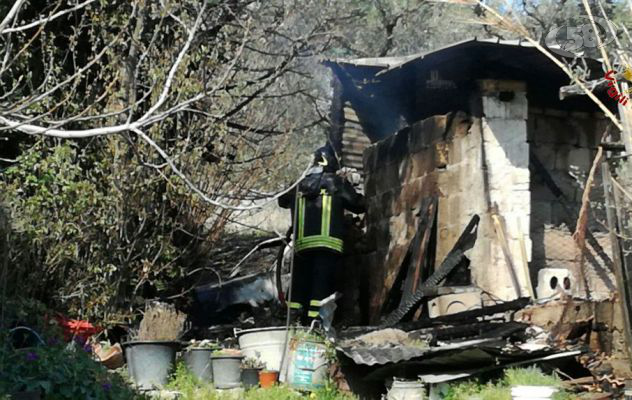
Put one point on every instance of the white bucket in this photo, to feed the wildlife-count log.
(406, 390)
(533, 392)
(265, 344)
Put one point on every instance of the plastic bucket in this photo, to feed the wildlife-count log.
(307, 368)
(267, 379)
(406, 390)
(250, 377)
(198, 361)
(226, 371)
(150, 362)
(265, 344)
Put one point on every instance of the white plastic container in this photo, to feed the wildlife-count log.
(406, 390)
(266, 344)
(533, 392)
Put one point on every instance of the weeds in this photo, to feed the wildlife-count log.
(501, 389)
(162, 322)
(191, 388)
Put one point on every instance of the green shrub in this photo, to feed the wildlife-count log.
(59, 373)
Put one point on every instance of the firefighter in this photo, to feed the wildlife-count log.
(319, 202)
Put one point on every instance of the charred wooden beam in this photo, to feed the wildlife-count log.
(596, 85)
(455, 256)
(466, 316)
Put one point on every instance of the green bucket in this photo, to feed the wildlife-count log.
(307, 369)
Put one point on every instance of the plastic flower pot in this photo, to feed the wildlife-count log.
(226, 371)
(150, 362)
(250, 377)
(198, 361)
(268, 378)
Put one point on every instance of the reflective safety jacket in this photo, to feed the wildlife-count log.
(320, 203)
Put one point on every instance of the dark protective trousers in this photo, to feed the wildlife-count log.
(313, 279)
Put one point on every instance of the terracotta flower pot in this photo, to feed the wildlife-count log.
(268, 378)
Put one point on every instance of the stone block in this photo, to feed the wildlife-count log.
(547, 129)
(455, 204)
(388, 177)
(555, 281)
(493, 86)
(459, 127)
(590, 137)
(552, 112)
(404, 170)
(422, 163)
(442, 154)
(443, 211)
(559, 244)
(426, 132)
(454, 303)
(457, 149)
(515, 109)
(581, 158)
(545, 153)
(398, 147)
(409, 197)
(540, 213)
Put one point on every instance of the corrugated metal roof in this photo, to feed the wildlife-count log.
(392, 353)
(389, 63)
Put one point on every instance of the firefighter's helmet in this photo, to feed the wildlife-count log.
(326, 158)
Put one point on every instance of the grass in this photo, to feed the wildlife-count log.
(501, 389)
(192, 389)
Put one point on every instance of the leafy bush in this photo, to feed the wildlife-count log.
(58, 373)
(92, 237)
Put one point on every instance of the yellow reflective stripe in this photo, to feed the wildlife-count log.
(315, 303)
(319, 241)
(337, 249)
(312, 314)
(326, 215)
(301, 216)
(310, 245)
(293, 305)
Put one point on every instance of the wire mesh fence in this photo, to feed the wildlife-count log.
(579, 263)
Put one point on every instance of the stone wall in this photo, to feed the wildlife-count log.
(442, 156)
(566, 144)
(480, 165)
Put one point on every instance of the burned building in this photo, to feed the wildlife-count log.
(476, 128)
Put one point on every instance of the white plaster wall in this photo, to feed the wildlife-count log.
(507, 159)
